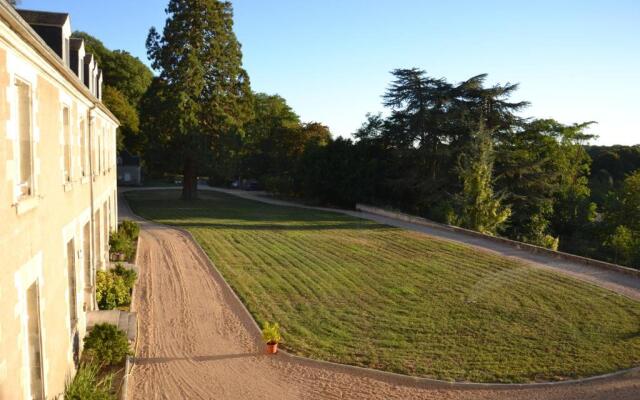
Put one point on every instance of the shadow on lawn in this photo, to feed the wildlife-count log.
(219, 357)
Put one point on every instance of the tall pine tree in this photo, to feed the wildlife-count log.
(200, 63)
(480, 208)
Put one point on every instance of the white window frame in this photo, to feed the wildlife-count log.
(85, 152)
(67, 141)
(19, 185)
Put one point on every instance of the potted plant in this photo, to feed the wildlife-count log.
(271, 336)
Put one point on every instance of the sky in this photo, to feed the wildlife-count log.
(575, 61)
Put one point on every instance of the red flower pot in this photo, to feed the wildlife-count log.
(272, 348)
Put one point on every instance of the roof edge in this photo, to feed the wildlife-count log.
(26, 32)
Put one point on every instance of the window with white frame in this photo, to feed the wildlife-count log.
(104, 150)
(35, 343)
(83, 148)
(99, 153)
(66, 128)
(71, 274)
(25, 140)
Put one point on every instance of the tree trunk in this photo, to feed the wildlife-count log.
(189, 180)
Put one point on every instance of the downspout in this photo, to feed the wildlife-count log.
(94, 260)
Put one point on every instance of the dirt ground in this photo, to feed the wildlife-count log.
(192, 344)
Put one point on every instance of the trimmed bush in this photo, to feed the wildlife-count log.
(129, 276)
(120, 243)
(106, 345)
(88, 385)
(130, 229)
(124, 240)
(111, 290)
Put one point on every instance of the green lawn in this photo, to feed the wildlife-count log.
(357, 292)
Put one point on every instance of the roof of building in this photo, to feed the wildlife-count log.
(21, 27)
(76, 43)
(43, 17)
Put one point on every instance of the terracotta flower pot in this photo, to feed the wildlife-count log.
(272, 348)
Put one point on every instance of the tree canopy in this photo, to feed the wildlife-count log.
(199, 60)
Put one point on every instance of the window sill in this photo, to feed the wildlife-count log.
(25, 205)
(68, 186)
(84, 180)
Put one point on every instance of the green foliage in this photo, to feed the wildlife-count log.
(126, 113)
(623, 244)
(124, 240)
(126, 80)
(543, 169)
(111, 290)
(129, 276)
(120, 243)
(622, 222)
(106, 345)
(271, 333)
(481, 209)
(88, 384)
(207, 92)
(130, 228)
(274, 143)
(629, 199)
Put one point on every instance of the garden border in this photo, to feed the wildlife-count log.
(252, 326)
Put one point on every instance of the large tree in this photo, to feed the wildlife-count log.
(543, 168)
(199, 60)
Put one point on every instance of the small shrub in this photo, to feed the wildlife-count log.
(130, 229)
(111, 291)
(271, 333)
(106, 345)
(119, 242)
(88, 385)
(129, 276)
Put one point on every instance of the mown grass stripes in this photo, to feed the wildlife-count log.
(357, 292)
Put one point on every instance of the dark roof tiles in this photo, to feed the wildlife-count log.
(76, 43)
(44, 17)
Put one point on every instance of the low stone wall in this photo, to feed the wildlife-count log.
(519, 245)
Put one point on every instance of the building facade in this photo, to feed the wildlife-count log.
(58, 199)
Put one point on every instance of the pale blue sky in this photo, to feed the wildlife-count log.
(575, 60)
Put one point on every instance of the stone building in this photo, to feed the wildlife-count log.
(58, 199)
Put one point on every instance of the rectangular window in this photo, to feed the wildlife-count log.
(104, 150)
(83, 148)
(98, 159)
(35, 343)
(73, 299)
(86, 252)
(66, 126)
(96, 236)
(106, 228)
(25, 140)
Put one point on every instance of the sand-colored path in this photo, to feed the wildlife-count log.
(194, 343)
